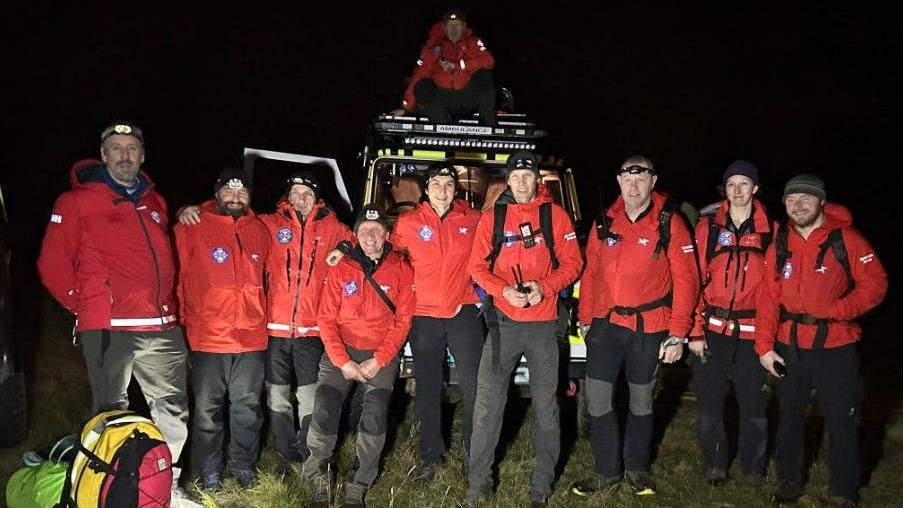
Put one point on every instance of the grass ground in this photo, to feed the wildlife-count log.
(61, 399)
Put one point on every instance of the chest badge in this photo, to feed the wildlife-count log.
(725, 239)
(426, 233)
(155, 216)
(611, 242)
(822, 269)
(463, 231)
(787, 271)
(220, 255)
(284, 235)
(643, 241)
(350, 288)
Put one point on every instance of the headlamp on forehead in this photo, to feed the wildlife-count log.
(121, 129)
(636, 169)
(300, 180)
(523, 163)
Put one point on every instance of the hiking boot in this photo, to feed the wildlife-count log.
(427, 472)
(354, 495)
(841, 502)
(244, 477)
(538, 500)
(752, 479)
(642, 483)
(211, 481)
(716, 477)
(322, 487)
(593, 484)
(787, 492)
(178, 498)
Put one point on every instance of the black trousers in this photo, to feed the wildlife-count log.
(834, 374)
(731, 361)
(610, 348)
(444, 105)
(287, 358)
(463, 334)
(238, 376)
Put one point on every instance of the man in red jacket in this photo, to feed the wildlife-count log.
(223, 306)
(732, 244)
(364, 319)
(822, 275)
(437, 237)
(522, 269)
(302, 231)
(637, 296)
(107, 258)
(453, 78)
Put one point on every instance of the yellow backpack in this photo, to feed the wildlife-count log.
(122, 461)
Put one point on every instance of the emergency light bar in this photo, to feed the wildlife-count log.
(469, 143)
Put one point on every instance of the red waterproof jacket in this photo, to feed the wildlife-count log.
(732, 278)
(108, 259)
(220, 288)
(535, 263)
(297, 267)
(469, 55)
(439, 249)
(622, 272)
(801, 287)
(352, 313)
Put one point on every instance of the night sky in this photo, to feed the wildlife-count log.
(792, 89)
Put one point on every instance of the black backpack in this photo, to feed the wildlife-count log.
(669, 209)
(833, 242)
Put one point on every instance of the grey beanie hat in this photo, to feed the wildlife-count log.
(806, 183)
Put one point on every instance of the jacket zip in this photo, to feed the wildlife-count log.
(298, 284)
(150, 246)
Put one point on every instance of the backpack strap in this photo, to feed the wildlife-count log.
(712, 239)
(782, 254)
(500, 210)
(545, 225)
(669, 208)
(379, 291)
(835, 243)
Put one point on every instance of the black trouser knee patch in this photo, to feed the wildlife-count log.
(373, 414)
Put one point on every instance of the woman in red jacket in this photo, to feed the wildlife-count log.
(732, 244)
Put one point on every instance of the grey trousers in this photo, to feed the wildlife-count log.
(285, 357)
(158, 362)
(332, 388)
(216, 378)
(536, 341)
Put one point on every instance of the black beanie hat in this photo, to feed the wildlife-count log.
(234, 178)
(303, 178)
(371, 213)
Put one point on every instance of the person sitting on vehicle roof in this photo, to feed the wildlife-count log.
(453, 78)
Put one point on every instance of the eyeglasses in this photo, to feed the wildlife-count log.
(636, 169)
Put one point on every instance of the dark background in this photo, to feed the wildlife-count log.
(798, 88)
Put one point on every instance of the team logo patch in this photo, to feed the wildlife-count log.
(371, 215)
(868, 258)
(463, 231)
(426, 233)
(510, 238)
(787, 271)
(284, 235)
(822, 269)
(220, 255)
(611, 242)
(350, 288)
(155, 217)
(643, 241)
(725, 239)
(56, 218)
(161, 464)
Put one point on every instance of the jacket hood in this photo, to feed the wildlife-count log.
(837, 216)
(89, 171)
(761, 223)
(320, 210)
